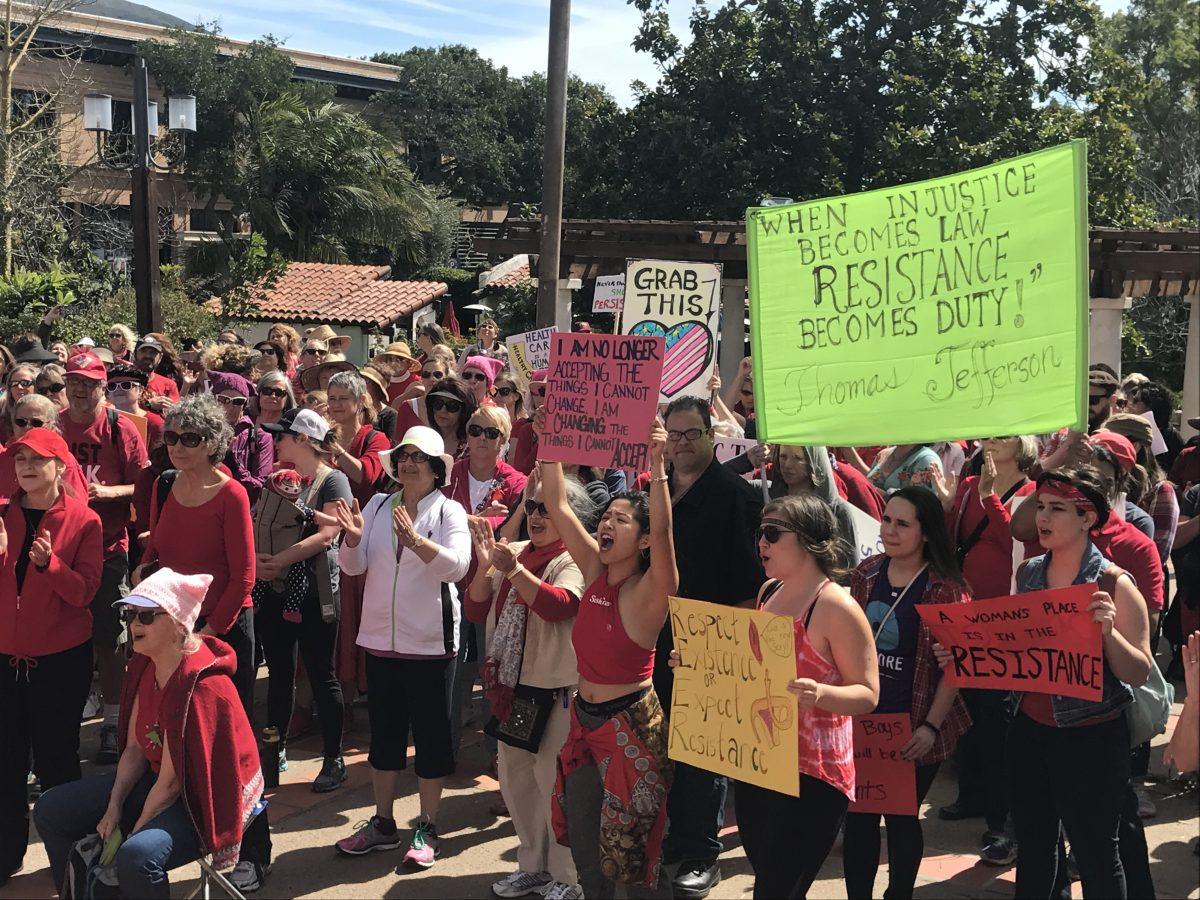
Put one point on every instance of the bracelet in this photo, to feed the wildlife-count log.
(513, 571)
(927, 724)
(660, 479)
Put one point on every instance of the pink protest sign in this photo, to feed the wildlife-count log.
(601, 396)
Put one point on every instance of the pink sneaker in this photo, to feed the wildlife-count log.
(423, 848)
(367, 837)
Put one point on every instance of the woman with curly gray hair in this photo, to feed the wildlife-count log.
(200, 523)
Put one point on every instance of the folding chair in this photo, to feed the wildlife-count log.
(210, 876)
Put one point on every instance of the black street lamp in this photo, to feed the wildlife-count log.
(97, 117)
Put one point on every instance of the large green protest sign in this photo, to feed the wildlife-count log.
(951, 308)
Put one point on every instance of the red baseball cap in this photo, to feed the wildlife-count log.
(89, 365)
(1119, 446)
(43, 442)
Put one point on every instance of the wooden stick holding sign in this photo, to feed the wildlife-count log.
(1044, 642)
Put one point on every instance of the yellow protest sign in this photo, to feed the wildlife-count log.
(731, 711)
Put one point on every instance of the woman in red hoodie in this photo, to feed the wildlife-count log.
(188, 779)
(50, 561)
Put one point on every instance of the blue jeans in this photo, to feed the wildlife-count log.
(71, 811)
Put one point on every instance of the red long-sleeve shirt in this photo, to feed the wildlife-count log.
(988, 566)
(216, 538)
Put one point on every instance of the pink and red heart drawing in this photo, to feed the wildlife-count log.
(689, 352)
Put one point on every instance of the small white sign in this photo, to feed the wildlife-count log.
(1157, 444)
(866, 533)
(726, 449)
(610, 293)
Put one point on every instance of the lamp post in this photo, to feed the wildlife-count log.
(97, 113)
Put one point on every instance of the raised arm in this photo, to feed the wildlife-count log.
(662, 578)
(581, 545)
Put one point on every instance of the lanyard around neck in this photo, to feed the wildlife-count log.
(896, 602)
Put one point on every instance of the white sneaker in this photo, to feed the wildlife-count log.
(521, 884)
(246, 877)
(560, 891)
(92, 707)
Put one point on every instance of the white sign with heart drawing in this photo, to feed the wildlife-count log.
(681, 303)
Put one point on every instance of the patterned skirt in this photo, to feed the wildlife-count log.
(629, 749)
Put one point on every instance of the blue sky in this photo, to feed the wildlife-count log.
(512, 33)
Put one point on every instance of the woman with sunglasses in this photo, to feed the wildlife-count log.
(436, 367)
(450, 405)
(188, 778)
(271, 358)
(51, 553)
(251, 457)
(125, 389)
(837, 677)
(275, 397)
(506, 391)
(807, 471)
(121, 342)
(51, 383)
(479, 374)
(200, 522)
(527, 594)
(413, 546)
(917, 566)
(21, 382)
(616, 749)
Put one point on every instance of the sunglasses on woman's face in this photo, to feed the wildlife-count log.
(535, 506)
(433, 375)
(188, 439)
(450, 406)
(473, 376)
(29, 423)
(226, 401)
(538, 391)
(21, 382)
(266, 351)
(312, 352)
(772, 533)
(47, 389)
(114, 386)
(477, 430)
(145, 616)
(413, 456)
(277, 393)
(505, 391)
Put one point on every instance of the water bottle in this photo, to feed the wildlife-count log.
(270, 756)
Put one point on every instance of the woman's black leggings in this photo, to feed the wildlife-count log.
(787, 857)
(906, 846)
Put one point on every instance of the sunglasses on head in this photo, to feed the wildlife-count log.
(450, 406)
(121, 386)
(29, 423)
(47, 389)
(505, 391)
(188, 439)
(236, 401)
(535, 506)
(772, 532)
(433, 375)
(490, 432)
(414, 456)
(473, 376)
(144, 616)
(278, 393)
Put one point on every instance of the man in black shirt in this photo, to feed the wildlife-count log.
(715, 517)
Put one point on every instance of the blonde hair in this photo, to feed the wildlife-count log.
(290, 335)
(126, 332)
(496, 416)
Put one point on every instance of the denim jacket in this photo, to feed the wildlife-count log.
(1031, 576)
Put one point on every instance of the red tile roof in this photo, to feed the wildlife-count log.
(344, 295)
(510, 279)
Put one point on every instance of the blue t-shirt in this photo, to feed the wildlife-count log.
(896, 641)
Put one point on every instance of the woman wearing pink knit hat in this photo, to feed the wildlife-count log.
(188, 779)
(479, 374)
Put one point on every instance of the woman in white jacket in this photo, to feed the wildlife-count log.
(412, 546)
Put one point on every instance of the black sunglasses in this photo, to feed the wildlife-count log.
(29, 423)
(538, 391)
(145, 616)
(433, 375)
(21, 382)
(48, 389)
(188, 438)
(416, 456)
(114, 386)
(477, 430)
(314, 352)
(473, 376)
(535, 506)
(266, 351)
(772, 533)
(279, 393)
(450, 406)
(505, 391)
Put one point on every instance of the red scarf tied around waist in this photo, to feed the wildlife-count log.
(502, 666)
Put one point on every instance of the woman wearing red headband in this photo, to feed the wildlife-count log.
(1068, 759)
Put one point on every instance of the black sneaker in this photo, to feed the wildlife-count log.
(998, 850)
(332, 777)
(107, 754)
(696, 878)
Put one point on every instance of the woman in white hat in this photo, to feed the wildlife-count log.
(188, 779)
(413, 546)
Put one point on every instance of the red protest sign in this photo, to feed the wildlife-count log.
(601, 396)
(884, 782)
(1043, 641)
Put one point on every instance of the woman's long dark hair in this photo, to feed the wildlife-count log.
(939, 552)
(463, 393)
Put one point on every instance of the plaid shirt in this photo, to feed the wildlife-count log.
(926, 672)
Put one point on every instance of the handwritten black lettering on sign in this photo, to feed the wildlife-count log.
(952, 308)
(601, 397)
(731, 712)
(884, 781)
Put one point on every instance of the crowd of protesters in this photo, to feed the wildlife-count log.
(172, 520)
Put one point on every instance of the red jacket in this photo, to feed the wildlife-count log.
(50, 614)
(855, 488)
(1137, 554)
(212, 745)
(523, 446)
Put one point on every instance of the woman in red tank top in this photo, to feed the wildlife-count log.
(837, 676)
(617, 725)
